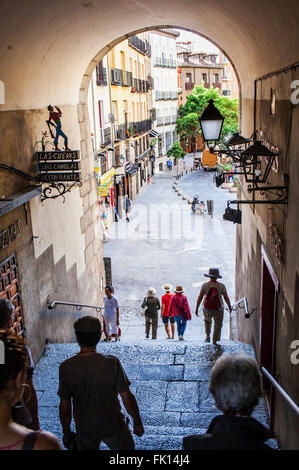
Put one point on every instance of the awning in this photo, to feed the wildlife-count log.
(12, 202)
(132, 170)
(153, 133)
(106, 179)
(143, 155)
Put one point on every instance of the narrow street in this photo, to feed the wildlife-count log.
(150, 251)
(165, 242)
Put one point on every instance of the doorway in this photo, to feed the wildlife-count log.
(10, 289)
(268, 314)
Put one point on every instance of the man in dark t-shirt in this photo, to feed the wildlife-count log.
(89, 384)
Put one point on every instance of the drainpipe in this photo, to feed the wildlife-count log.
(94, 115)
(110, 102)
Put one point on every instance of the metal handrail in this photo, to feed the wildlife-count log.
(71, 304)
(245, 306)
(281, 390)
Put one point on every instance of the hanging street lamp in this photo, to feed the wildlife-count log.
(211, 122)
(256, 162)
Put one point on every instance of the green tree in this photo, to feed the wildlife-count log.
(188, 127)
(176, 150)
(198, 101)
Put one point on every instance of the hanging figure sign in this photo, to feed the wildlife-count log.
(54, 121)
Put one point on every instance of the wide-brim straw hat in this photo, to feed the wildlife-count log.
(179, 289)
(213, 272)
(151, 292)
(167, 287)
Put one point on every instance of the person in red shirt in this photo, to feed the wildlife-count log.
(165, 315)
(179, 307)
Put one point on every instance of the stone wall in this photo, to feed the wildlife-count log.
(280, 131)
(65, 260)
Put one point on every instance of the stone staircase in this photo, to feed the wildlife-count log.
(169, 379)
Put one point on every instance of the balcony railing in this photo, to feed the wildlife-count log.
(121, 77)
(105, 134)
(189, 86)
(141, 126)
(121, 131)
(164, 62)
(117, 77)
(206, 84)
(166, 120)
(101, 74)
(140, 86)
(141, 46)
(166, 95)
(129, 79)
(217, 85)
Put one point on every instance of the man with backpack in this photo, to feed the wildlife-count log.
(213, 291)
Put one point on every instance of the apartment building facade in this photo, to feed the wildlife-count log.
(230, 86)
(165, 92)
(195, 68)
(120, 108)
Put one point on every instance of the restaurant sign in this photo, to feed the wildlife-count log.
(54, 167)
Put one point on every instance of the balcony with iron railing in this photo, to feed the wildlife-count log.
(141, 126)
(140, 86)
(121, 77)
(189, 86)
(166, 95)
(217, 85)
(164, 62)
(105, 135)
(101, 76)
(121, 131)
(141, 46)
(206, 84)
(166, 120)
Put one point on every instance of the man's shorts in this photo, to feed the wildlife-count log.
(165, 319)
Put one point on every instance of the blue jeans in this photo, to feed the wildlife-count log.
(58, 133)
(181, 324)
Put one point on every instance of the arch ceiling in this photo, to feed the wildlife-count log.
(46, 46)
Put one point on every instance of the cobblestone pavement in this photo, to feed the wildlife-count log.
(155, 247)
(168, 378)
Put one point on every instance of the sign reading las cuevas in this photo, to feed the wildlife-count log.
(58, 166)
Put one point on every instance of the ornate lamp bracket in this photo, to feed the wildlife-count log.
(59, 189)
(280, 192)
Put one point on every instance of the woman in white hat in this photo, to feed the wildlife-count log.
(166, 317)
(151, 303)
(179, 307)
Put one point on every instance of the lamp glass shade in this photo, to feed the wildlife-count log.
(211, 129)
(211, 122)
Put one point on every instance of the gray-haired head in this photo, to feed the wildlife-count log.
(6, 311)
(235, 383)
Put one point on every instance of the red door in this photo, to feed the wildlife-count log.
(268, 313)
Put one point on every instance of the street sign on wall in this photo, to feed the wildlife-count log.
(56, 177)
(52, 155)
(54, 167)
(59, 166)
